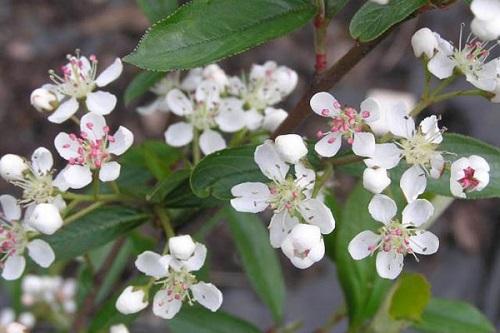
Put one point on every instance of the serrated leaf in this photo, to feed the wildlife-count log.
(141, 84)
(205, 31)
(200, 320)
(259, 259)
(332, 7)
(157, 9)
(372, 19)
(93, 230)
(217, 173)
(447, 316)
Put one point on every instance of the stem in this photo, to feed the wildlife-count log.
(83, 212)
(70, 207)
(100, 197)
(320, 34)
(162, 215)
(427, 78)
(75, 120)
(424, 103)
(196, 147)
(322, 180)
(95, 185)
(114, 187)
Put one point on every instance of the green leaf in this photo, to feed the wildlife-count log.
(141, 84)
(205, 31)
(200, 320)
(217, 173)
(157, 9)
(332, 7)
(372, 19)
(364, 290)
(93, 230)
(167, 185)
(259, 259)
(411, 296)
(446, 316)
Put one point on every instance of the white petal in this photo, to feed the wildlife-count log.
(305, 177)
(181, 247)
(192, 79)
(64, 111)
(273, 118)
(375, 180)
(329, 145)
(304, 246)
(165, 306)
(207, 295)
(110, 74)
(46, 218)
(58, 201)
(93, 126)
(429, 127)
(441, 66)
(211, 141)
(479, 163)
(281, 225)
(485, 9)
(10, 208)
(291, 147)
(197, 259)
(42, 161)
(41, 252)
(456, 189)
(231, 117)
(100, 102)
(250, 197)
(179, 103)
(67, 146)
(363, 144)
(60, 182)
(179, 134)
(382, 208)
(122, 140)
(370, 110)
(386, 155)
(424, 42)
(109, 171)
(363, 244)
(413, 183)
(253, 119)
(152, 264)
(77, 176)
(317, 213)
(437, 165)
(425, 242)
(119, 328)
(131, 300)
(13, 267)
(389, 264)
(325, 104)
(208, 92)
(270, 162)
(400, 123)
(159, 104)
(417, 212)
(486, 30)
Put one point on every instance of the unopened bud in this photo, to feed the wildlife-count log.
(44, 100)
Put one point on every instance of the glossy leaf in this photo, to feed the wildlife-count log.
(411, 295)
(157, 9)
(372, 19)
(259, 259)
(205, 31)
(447, 316)
(141, 84)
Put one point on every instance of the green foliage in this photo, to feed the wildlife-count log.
(93, 230)
(259, 259)
(205, 31)
(200, 320)
(157, 9)
(411, 295)
(372, 19)
(446, 316)
(140, 85)
(332, 7)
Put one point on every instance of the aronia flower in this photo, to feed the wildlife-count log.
(469, 174)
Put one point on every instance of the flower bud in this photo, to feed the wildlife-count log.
(131, 300)
(375, 180)
(291, 147)
(120, 328)
(181, 247)
(12, 167)
(304, 245)
(44, 100)
(46, 218)
(424, 42)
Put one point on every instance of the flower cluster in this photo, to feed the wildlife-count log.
(52, 291)
(173, 274)
(299, 219)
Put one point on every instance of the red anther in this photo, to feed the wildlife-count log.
(365, 114)
(325, 112)
(468, 182)
(331, 140)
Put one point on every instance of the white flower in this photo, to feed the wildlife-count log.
(15, 238)
(273, 118)
(469, 174)
(161, 89)
(424, 42)
(44, 99)
(12, 167)
(131, 300)
(304, 245)
(54, 291)
(203, 114)
(471, 59)
(395, 239)
(375, 180)
(173, 273)
(212, 73)
(291, 148)
(119, 328)
(78, 83)
(92, 150)
(345, 123)
(419, 148)
(485, 24)
(288, 195)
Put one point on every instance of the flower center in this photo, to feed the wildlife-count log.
(468, 182)
(91, 152)
(395, 238)
(348, 122)
(203, 117)
(36, 188)
(286, 195)
(177, 285)
(78, 76)
(418, 150)
(12, 240)
(471, 58)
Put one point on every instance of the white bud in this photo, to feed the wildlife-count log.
(12, 167)
(181, 247)
(304, 245)
(120, 328)
(44, 100)
(131, 300)
(375, 180)
(46, 218)
(291, 147)
(424, 42)
(15, 328)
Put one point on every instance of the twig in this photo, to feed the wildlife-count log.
(320, 34)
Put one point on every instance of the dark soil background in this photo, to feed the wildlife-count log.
(37, 34)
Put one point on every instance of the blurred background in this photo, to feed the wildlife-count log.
(37, 34)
